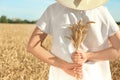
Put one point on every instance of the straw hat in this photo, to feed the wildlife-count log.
(82, 4)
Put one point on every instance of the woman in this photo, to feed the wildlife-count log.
(95, 53)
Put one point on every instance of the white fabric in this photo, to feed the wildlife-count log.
(56, 20)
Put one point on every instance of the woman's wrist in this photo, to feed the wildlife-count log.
(59, 62)
(90, 57)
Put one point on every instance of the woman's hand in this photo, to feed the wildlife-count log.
(79, 57)
(72, 69)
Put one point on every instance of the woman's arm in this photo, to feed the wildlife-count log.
(35, 47)
(107, 54)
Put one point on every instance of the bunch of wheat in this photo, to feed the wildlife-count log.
(79, 32)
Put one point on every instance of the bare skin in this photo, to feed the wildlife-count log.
(106, 54)
(35, 47)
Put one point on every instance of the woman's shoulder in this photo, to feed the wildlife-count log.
(102, 9)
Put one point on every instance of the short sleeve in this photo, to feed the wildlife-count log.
(44, 23)
(112, 25)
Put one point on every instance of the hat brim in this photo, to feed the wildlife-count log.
(82, 4)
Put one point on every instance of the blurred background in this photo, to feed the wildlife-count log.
(17, 22)
(31, 10)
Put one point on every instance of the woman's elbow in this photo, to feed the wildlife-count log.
(29, 48)
(118, 54)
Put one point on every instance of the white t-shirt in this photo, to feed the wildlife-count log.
(56, 21)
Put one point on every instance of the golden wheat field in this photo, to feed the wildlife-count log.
(17, 64)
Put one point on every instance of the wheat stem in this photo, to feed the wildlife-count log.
(79, 32)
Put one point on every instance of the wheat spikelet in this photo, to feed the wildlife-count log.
(79, 32)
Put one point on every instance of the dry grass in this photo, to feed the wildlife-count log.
(17, 64)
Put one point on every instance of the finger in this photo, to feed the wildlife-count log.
(74, 70)
(71, 72)
(78, 71)
(79, 68)
(77, 74)
(78, 61)
(77, 57)
(71, 69)
(74, 73)
(81, 55)
(76, 54)
(73, 55)
(73, 65)
(80, 76)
